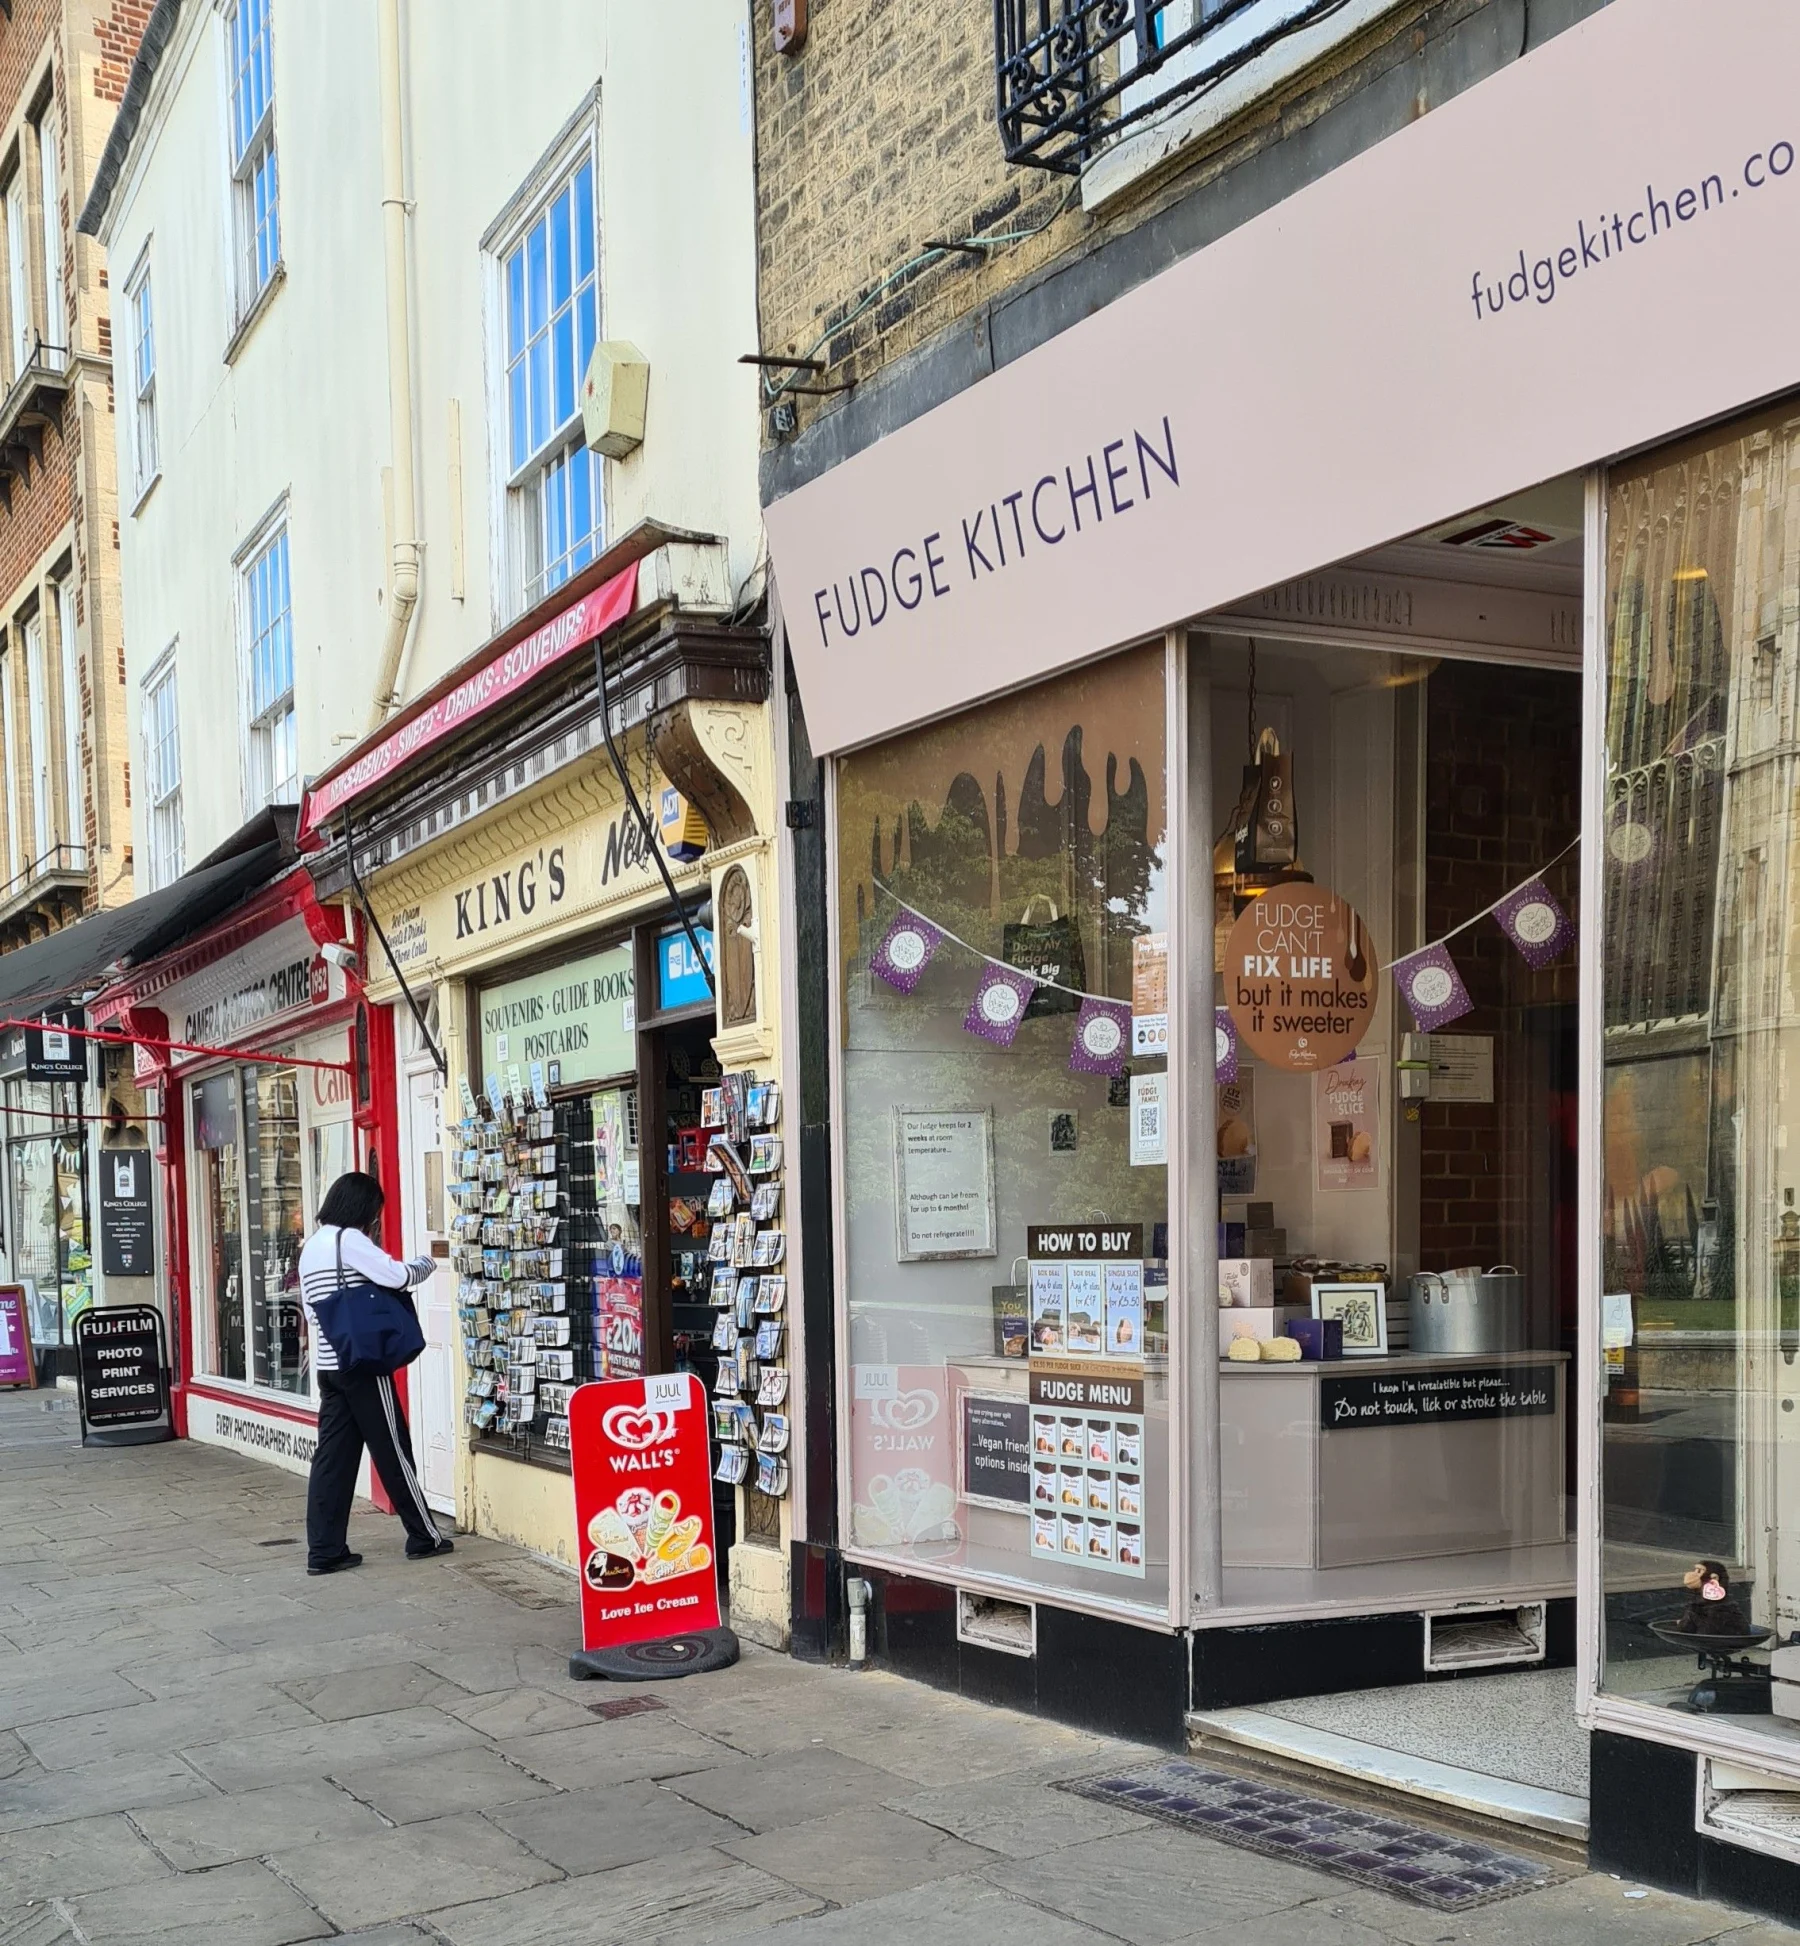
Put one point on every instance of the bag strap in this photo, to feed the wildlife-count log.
(1031, 907)
(340, 1257)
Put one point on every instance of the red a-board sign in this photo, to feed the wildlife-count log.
(16, 1367)
(643, 1509)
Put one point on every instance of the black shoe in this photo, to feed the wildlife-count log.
(337, 1566)
(425, 1553)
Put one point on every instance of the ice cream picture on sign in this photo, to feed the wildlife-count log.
(1300, 977)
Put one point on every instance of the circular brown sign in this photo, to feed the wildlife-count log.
(1300, 974)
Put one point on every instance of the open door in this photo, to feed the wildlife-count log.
(434, 1385)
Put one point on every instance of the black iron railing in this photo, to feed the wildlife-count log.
(1070, 75)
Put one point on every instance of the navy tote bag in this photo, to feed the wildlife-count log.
(371, 1328)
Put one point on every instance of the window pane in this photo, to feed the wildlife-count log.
(581, 508)
(1700, 1236)
(584, 346)
(561, 282)
(515, 302)
(1013, 1134)
(556, 524)
(540, 392)
(518, 418)
(276, 1226)
(584, 221)
(536, 279)
(563, 367)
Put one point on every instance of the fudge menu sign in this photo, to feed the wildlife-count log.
(1436, 1395)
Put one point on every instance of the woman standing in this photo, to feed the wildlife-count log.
(357, 1409)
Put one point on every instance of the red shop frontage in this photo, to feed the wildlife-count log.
(294, 1086)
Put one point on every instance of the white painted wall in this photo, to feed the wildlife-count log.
(302, 409)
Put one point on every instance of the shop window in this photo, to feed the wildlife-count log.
(549, 297)
(272, 754)
(255, 191)
(47, 1176)
(251, 1221)
(987, 1123)
(1700, 1243)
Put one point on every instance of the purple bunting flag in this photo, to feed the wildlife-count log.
(1225, 1045)
(1102, 1034)
(1534, 922)
(1432, 988)
(999, 1004)
(905, 950)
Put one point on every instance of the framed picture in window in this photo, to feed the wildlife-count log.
(1361, 1309)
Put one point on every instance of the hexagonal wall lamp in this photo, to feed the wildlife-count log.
(614, 397)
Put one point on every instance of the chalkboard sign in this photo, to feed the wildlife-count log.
(996, 1444)
(124, 1376)
(127, 1232)
(1436, 1395)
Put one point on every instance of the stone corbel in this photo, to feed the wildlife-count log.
(715, 754)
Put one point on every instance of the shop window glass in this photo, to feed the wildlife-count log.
(218, 1167)
(1700, 1243)
(48, 1181)
(1432, 1462)
(276, 1228)
(1029, 832)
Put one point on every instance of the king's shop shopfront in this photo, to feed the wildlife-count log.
(1311, 961)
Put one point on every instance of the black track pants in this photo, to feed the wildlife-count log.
(354, 1412)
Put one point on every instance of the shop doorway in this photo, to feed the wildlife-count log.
(433, 1386)
(1408, 1508)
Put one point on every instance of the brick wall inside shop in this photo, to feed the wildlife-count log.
(880, 137)
(1503, 776)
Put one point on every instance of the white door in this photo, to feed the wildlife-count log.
(434, 1387)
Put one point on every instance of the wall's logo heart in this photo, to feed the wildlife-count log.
(907, 1411)
(636, 1427)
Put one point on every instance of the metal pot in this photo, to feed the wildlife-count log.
(1467, 1313)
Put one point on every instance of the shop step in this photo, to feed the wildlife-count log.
(1391, 1773)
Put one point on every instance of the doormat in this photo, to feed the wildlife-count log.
(524, 1582)
(1432, 1869)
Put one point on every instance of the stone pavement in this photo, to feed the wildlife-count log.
(198, 1744)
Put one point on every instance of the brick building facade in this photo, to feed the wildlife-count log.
(65, 820)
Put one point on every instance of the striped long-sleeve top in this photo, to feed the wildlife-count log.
(364, 1262)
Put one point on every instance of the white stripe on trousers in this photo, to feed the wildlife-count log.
(385, 1386)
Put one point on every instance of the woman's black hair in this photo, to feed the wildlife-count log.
(352, 1202)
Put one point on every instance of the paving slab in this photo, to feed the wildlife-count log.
(947, 1912)
(1593, 1910)
(1152, 1887)
(238, 1905)
(1025, 1820)
(394, 1874)
(619, 1824)
(617, 1753)
(692, 1899)
(857, 1855)
(216, 1830)
(82, 1855)
(54, 1796)
(369, 1690)
(790, 1789)
(25, 1700)
(325, 1749)
(407, 1793)
(524, 1712)
(101, 1735)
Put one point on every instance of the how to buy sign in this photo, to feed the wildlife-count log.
(643, 1509)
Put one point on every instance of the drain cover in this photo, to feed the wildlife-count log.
(626, 1706)
(1409, 1860)
(281, 1540)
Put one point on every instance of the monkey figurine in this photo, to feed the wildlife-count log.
(1711, 1611)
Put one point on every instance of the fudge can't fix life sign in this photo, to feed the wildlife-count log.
(643, 1509)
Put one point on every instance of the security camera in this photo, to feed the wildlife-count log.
(335, 953)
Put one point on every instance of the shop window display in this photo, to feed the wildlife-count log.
(1394, 1123)
(49, 1208)
(1700, 1245)
(1002, 906)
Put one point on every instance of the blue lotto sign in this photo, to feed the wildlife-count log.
(680, 978)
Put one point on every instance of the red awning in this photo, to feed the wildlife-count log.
(507, 665)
